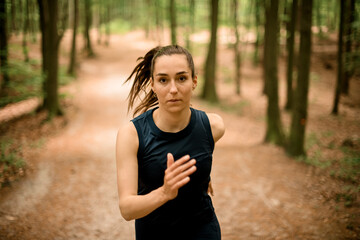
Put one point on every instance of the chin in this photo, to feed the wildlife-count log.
(177, 107)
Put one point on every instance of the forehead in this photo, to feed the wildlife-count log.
(174, 62)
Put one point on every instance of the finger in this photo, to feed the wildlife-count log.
(180, 161)
(180, 177)
(175, 170)
(184, 178)
(170, 160)
(181, 183)
(179, 169)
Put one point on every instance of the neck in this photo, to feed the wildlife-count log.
(171, 121)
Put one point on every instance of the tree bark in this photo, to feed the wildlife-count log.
(209, 89)
(50, 40)
(290, 45)
(257, 41)
(299, 111)
(172, 13)
(349, 70)
(339, 59)
(274, 132)
(237, 53)
(191, 24)
(25, 32)
(88, 20)
(72, 65)
(4, 81)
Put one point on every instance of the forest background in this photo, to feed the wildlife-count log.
(297, 45)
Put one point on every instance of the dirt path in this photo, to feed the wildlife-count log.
(259, 192)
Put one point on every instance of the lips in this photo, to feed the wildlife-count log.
(174, 100)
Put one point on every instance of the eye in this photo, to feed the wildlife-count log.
(162, 80)
(182, 78)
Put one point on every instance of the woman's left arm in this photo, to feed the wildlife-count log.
(217, 126)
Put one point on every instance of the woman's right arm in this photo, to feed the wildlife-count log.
(133, 206)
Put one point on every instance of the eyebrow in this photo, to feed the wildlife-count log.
(164, 74)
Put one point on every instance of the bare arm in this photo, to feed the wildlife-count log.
(218, 130)
(133, 206)
(217, 126)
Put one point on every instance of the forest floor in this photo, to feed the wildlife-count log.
(69, 190)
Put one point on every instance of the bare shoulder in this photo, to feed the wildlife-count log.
(217, 125)
(127, 138)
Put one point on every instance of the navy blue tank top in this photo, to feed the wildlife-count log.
(193, 206)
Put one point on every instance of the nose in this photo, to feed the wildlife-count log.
(173, 88)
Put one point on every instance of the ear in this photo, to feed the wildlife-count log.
(194, 82)
(152, 84)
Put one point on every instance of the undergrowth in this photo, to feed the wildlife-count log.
(12, 165)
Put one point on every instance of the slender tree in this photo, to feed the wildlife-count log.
(172, 12)
(318, 16)
(25, 31)
(257, 30)
(209, 89)
(274, 132)
(290, 58)
(50, 41)
(299, 111)
(191, 25)
(349, 65)
(4, 80)
(236, 47)
(88, 20)
(340, 61)
(13, 17)
(72, 65)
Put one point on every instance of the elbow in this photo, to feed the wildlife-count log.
(125, 214)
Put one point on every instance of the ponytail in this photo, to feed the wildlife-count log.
(142, 82)
(143, 73)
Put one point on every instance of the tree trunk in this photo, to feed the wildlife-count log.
(267, 27)
(172, 13)
(88, 20)
(25, 32)
(33, 23)
(349, 70)
(274, 132)
(72, 65)
(4, 79)
(339, 59)
(13, 17)
(318, 17)
(48, 10)
(107, 25)
(191, 24)
(257, 41)
(299, 111)
(209, 89)
(290, 45)
(236, 48)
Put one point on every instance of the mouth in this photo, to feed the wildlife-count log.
(174, 100)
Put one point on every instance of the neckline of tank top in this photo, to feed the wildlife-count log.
(181, 133)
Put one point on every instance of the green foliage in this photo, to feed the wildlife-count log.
(315, 159)
(348, 195)
(120, 26)
(350, 165)
(25, 81)
(346, 168)
(11, 164)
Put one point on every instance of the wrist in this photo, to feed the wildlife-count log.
(161, 193)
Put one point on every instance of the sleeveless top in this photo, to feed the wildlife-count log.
(193, 206)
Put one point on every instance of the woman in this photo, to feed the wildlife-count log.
(164, 155)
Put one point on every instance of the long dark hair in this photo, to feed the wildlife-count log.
(144, 72)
